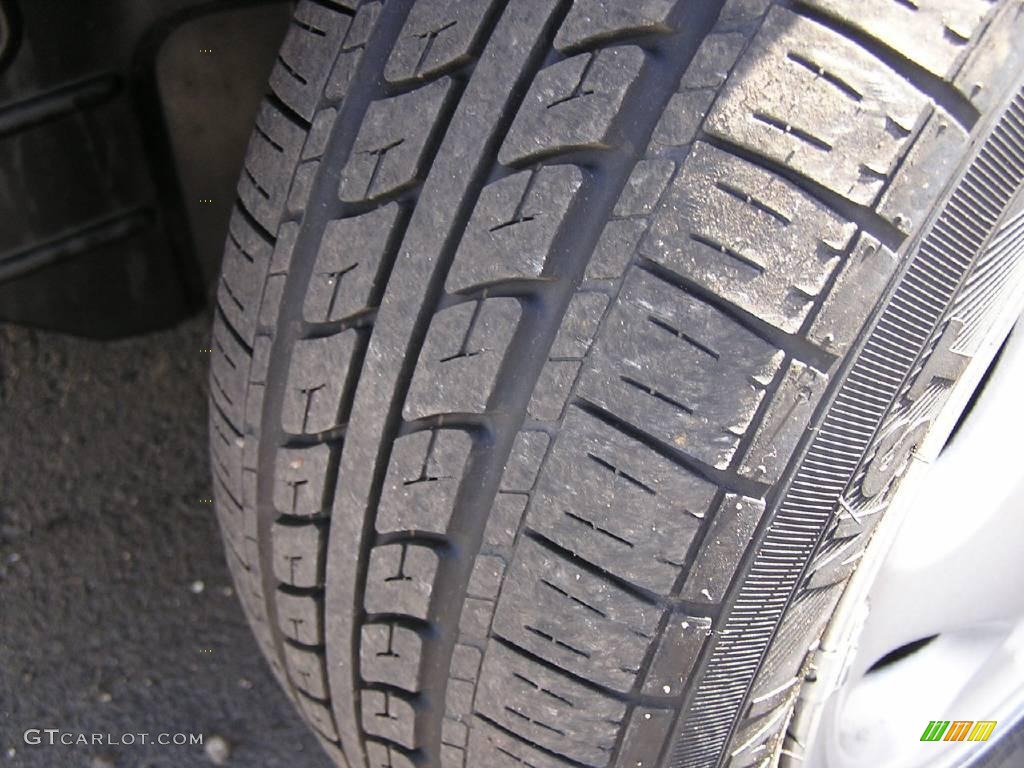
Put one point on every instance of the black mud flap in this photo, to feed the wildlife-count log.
(122, 130)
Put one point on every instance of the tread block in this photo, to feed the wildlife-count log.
(308, 670)
(422, 480)
(465, 663)
(260, 364)
(452, 756)
(503, 522)
(300, 617)
(320, 717)
(280, 263)
(552, 389)
(657, 331)
(494, 748)
(644, 188)
(299, 480)
(384, 755)
(302, 187)
(389, 153)
(681, 120)
(400, 579)
(390, 653)
(459, 699)
(460, 359)
(616, 503)
(677, 652)
(232, 520)
(511, 230)
(576, 333)
(350, 265)
(334, 752)
(645, 736)
(388, 716)
(546, 708)
(475, 619)
(524, 461)
(485, 580)
(319, 133)
(860, 283)
(352, 51)
(591, 21)
(784, 423)
(794, 74)
(938, 151)
(438, 35)
(249, 597)
(615, 248)
(722, 549)
(273, 152)
(299, 553)
(309, 48)
(243, 270)
(572, 104)
(933, 33)
(579, 621)
(229, 367)
(316, 383)
(991, 70)
(747, 235)
(716, 56)
(226, 451)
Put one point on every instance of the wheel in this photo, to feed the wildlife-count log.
(929, 628)
(568, 354)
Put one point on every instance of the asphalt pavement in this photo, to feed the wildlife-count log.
(117, 615)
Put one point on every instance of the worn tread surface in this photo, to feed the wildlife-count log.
(525, 312)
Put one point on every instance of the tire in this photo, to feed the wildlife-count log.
(567, 354)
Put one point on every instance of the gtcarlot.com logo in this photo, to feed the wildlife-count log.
(55, 737)
(958, 730)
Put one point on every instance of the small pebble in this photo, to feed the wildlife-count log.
(11, 753)
(227, 591)
(245, 685)
(197, 587)
(104, 697)
(102, 761)
(218, 749)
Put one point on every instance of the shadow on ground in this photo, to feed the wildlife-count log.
(116, 610)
